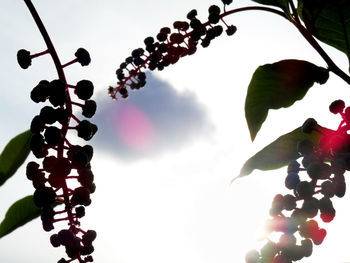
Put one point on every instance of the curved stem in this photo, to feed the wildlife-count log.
(249, 8)
(312, 41)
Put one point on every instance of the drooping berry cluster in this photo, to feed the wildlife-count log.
(324, 163)
(169, 47)
(64, 176)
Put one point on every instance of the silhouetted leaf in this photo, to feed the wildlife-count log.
(278, 85)
(13, 156)
(329, 21)
(279, 3)
(20, 213)
(278, 153)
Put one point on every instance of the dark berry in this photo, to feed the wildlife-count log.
(214, 9)
(292, 180)
(48, 114)
(23, 58)
(81, 196)
(328, 188)
(49, 163)
(84, 89)
(80, 211)
(57, 92)
(37, 124)
(231, 30)
(86, 177)
(44, 197)
(61, 116)
(55, 241)
(83, 56)
(32, 169)
(89, 108)
(310, 207)
(319, 170)
(89, 237)
(192, 14)
(86, 130)
(40, 92)
(52, 135)
(309, 125)
(337, 106)
(214, 18)
(305, 146)
(218, 30)
(148, 41)
(305, 189)
(227, 2)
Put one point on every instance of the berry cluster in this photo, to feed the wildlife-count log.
(63, 165)
(325, 164)
(169, 47)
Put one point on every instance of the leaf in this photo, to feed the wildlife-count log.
(279, 3)
(13, 156)
(20, 213)
(329, 21)
(278, 153)
(278, 85)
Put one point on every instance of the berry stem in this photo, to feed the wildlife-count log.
(70, 63)
(40, 54)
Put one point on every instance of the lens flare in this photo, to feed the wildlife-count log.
(134, 128)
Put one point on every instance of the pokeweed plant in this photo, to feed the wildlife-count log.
(316, 157)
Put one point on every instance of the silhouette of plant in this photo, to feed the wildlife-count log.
(316, 157)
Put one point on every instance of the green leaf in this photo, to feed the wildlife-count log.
(278, 85)
(13, 156)
(279, 3)
(329, 21)
(278, 153)
(20, 213)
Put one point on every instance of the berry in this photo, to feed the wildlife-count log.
(48, 114)
(66, 237)
(149, 41)
(337, 106)
(23, 58)
(328, 189)
(80, 211)
(55, 241)
(89, 237)
(231, 30)
(318, 236)
(214, 9)
(310, 207)
(40, 92)
(44, 197)
(226, 2)
(57, 92)
(318, 170)
(340, 188)
(83, 56)
(78, 157)
(289, 202)
(214, 18)
(89, 108)
(86, 177)
(306, 245)
(305, 147)
(52, 135)
(86, 130)
(192, 14)
(49, 163)
(292, 180)
(61, 116)
(81, 196)
(32, 169)
(309, 125)
(305, 189)
(84, 89)
(37, 124)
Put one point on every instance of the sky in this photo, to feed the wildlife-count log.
(164, 157)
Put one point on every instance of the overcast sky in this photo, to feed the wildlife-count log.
(163, 194)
